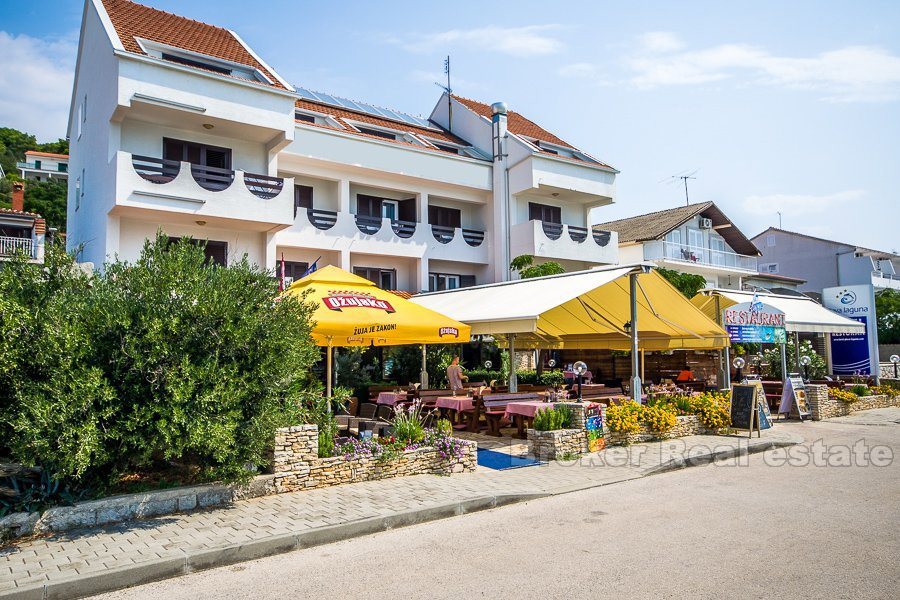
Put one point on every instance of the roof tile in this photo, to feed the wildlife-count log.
(132, 20)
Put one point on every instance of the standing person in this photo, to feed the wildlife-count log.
(455, 375)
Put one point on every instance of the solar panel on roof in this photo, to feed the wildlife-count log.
(385, 113)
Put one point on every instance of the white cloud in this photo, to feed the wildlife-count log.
(579, 71)
(850, 74)
(528, 41)
(36, 84)
(660, 41)
(799, 204)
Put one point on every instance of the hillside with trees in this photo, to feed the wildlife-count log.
(47, 198)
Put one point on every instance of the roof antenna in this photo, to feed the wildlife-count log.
(449, 91)
(684, 176)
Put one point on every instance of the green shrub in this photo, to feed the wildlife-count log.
(551, 419)
(860, 389)
(168, 358)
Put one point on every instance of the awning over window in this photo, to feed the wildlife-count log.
(801, 314)
(587, 309)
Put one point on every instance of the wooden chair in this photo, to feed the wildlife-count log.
(494, 408)
(367, 410)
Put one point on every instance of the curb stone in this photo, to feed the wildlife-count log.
(133, 575)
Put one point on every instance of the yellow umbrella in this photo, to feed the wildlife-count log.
(353, 311)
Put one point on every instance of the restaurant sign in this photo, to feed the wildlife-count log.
(754, 322)
(338, 301)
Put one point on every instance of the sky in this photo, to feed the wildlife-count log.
(778, 107)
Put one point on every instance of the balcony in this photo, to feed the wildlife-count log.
(10, 246)
(180, 187)
(330, 230)
(701, 257)
(564, 242)
(883, 280)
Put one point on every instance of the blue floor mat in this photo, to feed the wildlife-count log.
(500, 461)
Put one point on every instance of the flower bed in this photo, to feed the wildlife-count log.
(684, 425)
(667, 417)
(826, 403)
(297, 464)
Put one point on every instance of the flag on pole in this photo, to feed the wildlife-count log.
(312, 268)
(755, 304)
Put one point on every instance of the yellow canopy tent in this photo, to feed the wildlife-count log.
(586, 309)
(352, 311)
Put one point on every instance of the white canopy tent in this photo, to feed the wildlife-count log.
(801, 314)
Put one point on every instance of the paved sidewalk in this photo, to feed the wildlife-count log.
(80, 563)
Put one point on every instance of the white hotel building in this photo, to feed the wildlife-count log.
(178, 125)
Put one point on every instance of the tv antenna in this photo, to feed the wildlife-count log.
(449, 91)
(683, 176)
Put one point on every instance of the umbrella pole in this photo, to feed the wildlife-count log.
(513, 379)
(423, 375)
(328, 368)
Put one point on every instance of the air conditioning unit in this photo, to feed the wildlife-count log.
(705, 223)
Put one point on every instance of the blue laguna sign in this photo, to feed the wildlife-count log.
(853, 353)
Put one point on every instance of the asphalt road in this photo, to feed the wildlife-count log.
(748, 530)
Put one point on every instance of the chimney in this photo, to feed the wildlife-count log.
(18, 196)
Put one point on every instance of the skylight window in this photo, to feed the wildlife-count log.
(202, 61)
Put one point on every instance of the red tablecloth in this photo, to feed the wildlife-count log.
(526, 409)
(457, 403)
(391, 398)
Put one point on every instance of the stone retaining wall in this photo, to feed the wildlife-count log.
(684, 426)
(823, 406)
(298, 467)
(549, 445)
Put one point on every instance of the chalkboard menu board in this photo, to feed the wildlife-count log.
(743, 403)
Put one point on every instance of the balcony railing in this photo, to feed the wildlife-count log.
(577, 234)
(321, 219)
(443, 234)
(214, 179)
(368, 225)
(885, 280)
(699, 256)
(404, 229)
(552, 230)
(10, 246)
(473, 237)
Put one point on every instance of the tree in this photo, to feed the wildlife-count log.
(686, 283)
(887, 309)
(60, 146)
(526, 268)
(15, 143)
(48, 199)
(169, 358)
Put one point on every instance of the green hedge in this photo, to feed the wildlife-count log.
(166, 359)
(525, 376)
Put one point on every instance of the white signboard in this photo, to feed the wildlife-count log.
(854, 353)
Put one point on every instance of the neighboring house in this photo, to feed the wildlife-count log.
(825, 263)
(697, 238)
(44, 166)
(21, 232)
(776, 284)
(209, 141)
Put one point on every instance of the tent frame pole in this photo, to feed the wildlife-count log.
(726, 378)
(784, 372)
(513, 379)
(636, 386)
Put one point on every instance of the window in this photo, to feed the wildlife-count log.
(438, 282)
(770, 241)
(543, 212)
(196, 63)
(674, 237)
(695, 238)
(82, 117)
(389, 209)
(771, 268)
(216, 252)
(197, 154)
(304, 117)
(62, 167)
(386, 208)
(292, 271)
(37, 164)
(446, 148)
(386, 279)
(444, 217)
(303, 197)
(378, 133)
(78, 190)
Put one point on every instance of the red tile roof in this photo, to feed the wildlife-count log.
(344, 116)
(47, 154)
(21, 213)
(520, 125)
(132, 20)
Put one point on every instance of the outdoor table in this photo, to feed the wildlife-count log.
(522, 411)
(459, 404)
(390, 398)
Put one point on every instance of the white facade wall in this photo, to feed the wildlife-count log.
(240, 242)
